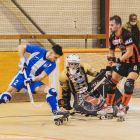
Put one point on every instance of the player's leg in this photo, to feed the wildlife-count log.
(110, 87)
(128, 87)
(5, 97)
(67, 97)
(51, 94)
(15, 85)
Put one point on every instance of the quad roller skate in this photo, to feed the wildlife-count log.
(60, 116)
(105, 112)
(121, 113)
(72, 112)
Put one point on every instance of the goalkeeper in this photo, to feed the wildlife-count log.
(74, 80)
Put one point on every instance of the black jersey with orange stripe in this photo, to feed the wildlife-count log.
(124, 40)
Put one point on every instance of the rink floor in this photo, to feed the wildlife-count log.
(21, 121)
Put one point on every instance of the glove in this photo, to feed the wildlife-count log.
(113, 59)
(22, 64)
(108, 71)
(29, 81)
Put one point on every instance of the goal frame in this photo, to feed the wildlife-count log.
(61, 59)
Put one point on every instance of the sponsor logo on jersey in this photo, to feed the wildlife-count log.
(47, 66)
(121, 47)
(118, 41)
(80, 86)
(36, 57)
(79, 80)
(71, 78)
(84, 89)
(129, 41)
(76, 75)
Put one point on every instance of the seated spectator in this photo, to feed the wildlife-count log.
(133, 25)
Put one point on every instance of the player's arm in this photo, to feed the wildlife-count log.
(129, 53)
(110, 54)
(40, 77)
(128, 41)
(63, 80)
(89, 69)
(22, 64)
(21, 50)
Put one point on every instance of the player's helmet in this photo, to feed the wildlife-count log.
(73, 59)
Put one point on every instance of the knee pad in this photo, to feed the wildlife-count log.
(5, 97)
(129, 86)
(51, 92)
(110, 84)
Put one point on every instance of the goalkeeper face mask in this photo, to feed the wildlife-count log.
(133, 23)
(73, 63)
(73, 67)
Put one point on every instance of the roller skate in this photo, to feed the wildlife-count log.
(60, 116)
(121, 113)
(105, 112)
(71, 110)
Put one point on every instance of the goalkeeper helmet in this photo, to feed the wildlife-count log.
(73, 63)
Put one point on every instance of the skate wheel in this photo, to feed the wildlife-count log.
(120, 119)
(109, 116)
(65, 119)
(99, 116)
(102, 117)
(57, 123)
(61, 121)
(124, 119)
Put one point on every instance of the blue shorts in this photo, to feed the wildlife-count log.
(18, 82)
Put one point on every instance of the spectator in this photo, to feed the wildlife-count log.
(133, 25)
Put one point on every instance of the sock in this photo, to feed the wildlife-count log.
(126, 98)
(110, 98)
(52, 102)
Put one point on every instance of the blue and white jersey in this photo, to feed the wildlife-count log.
(37, 63)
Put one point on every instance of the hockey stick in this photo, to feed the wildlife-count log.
(90, 92)
(30, 94)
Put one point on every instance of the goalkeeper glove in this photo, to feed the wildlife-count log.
(113, 59)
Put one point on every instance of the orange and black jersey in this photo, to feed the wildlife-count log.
(124, 40)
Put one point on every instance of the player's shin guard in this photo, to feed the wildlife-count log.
(126, 98)
(51, 98)
(5, 97)
(110, 98)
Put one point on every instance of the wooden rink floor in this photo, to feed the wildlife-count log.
(21, 121)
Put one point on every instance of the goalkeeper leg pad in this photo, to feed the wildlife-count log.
(62, 103)
(5, 97)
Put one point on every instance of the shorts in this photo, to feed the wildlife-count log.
(124, 69)
(18, 82)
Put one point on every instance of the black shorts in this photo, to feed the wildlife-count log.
(124, 69)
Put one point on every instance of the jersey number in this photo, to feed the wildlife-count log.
(135, 68)
(16, 82)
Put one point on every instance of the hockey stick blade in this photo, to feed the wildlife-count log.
(91, 92)
(36, 106)
(30, 93)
